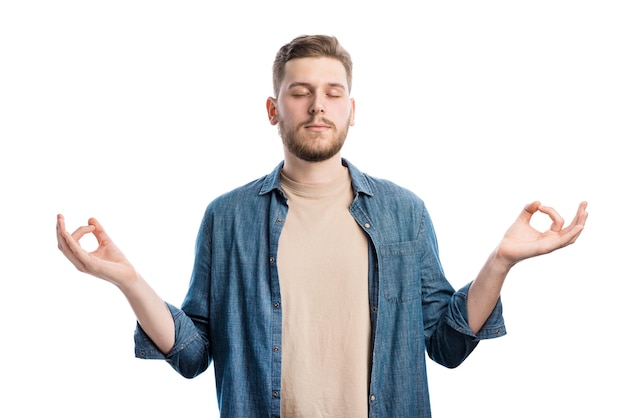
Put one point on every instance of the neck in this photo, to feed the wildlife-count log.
(316, 173)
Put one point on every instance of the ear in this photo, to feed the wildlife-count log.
(352, 108)
(272, 110)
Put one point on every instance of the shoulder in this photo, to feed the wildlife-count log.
(239, 197)
(379, 189)
(391, 192)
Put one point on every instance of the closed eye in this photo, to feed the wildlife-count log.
(300, 93)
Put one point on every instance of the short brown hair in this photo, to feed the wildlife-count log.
(307, 46)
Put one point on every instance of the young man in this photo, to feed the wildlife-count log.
(317, 289)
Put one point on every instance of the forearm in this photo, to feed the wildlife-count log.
(485, 290)
(151, 312)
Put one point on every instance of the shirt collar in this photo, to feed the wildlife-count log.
(359, 180)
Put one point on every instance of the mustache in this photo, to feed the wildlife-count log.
(317, 121)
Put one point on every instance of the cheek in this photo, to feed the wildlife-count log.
(293, 114)
(343, 108)
(344, 113)
(286, 111)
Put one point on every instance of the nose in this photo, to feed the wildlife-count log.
(317, 106)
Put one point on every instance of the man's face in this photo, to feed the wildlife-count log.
(313, 110)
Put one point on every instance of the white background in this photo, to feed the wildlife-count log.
(141, 112)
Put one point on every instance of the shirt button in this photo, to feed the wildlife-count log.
(373, 398)
(367, 225)
(276, 305)
(279, 220)
(275, 394)
(374, 309)
(276, 349)
(272, 259)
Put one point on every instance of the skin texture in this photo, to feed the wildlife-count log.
(107, 262)
(521, 241)
(313, 112)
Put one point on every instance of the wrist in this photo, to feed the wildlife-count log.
(500, 262)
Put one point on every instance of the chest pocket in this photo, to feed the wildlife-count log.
(400, 271)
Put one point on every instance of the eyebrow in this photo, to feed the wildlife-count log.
(309, 85)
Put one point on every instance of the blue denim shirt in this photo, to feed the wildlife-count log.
(231, 314)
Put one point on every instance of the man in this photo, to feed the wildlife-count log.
(317, 289)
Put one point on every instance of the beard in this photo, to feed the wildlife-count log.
(313, 147)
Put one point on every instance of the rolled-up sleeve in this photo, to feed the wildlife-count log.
(453, 340)
(456, 317)
(190, 354)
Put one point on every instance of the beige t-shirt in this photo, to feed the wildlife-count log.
(323, 271)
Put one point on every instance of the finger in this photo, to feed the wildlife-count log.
(81, 231)
(529, 210)
(571, 235)
(63, 241)
(69, 245)
(581, 214)
(60, 223)
(557, 220)
(578, 223)
(98, 231)
(76, 235)
(63, 237)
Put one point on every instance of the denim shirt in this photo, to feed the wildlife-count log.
(231, 315)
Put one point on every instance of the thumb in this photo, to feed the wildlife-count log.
(529, 210)
(99, 231)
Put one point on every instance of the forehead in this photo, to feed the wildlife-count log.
(315, 71)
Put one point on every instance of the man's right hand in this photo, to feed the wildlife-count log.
(106, 262)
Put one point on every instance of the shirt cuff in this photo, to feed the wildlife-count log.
(457, 317)
(145, 348)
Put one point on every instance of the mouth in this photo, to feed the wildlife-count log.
(317, 126)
